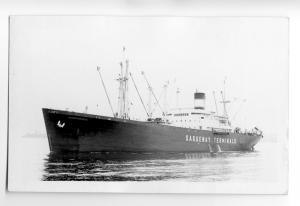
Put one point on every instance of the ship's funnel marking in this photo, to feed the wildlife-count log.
(199, 100)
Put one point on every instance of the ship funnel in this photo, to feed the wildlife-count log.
(199, 100)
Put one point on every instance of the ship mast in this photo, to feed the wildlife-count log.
(123, 98)
(120, 97)
(177, 97)
(224, 102)
(216, 103)
(126, 97)
(165, 97)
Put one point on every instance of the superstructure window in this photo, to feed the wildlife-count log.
(181, 114)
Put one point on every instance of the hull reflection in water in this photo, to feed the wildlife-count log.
(118, 166)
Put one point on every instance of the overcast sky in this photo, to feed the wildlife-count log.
(53, 62)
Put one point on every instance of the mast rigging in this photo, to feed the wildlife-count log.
(139, 94)
(215, 102)
(152, 92)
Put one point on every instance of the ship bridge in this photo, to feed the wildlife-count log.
(197, 117)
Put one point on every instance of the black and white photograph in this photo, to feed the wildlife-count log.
(151, 104)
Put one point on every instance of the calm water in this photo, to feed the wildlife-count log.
(259, 165)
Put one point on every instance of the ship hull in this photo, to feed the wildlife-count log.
(79, 132)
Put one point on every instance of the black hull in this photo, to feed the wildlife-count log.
(78, 132)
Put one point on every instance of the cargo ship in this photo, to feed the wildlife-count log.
(176, 130)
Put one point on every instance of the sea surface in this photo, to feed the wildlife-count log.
(259, 165)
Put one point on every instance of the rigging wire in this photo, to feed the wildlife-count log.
(240, 108)
(139, 94)
(152, 92)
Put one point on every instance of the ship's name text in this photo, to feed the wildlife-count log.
(193, 138)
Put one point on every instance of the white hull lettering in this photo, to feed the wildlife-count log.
(201, 139)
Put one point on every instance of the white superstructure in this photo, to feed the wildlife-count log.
(198, 117)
